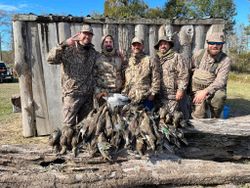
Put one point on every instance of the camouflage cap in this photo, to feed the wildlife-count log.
(216, 37)
(87, 28)
(164, 38)
(137, 40)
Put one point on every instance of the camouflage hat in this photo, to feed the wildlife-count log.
(164, 38)
(136, 39)
(216, 37)
(87, 28)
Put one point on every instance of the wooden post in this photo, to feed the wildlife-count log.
(97, 29)
(200, 35)
(22, 67)
(152, 39)
(52, 74)
(186, 38)
(64, 31)
(161, 31)
(38, 84)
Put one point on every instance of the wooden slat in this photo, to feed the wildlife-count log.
(186, 38)
(152, 39)
(64, 31)
(142, 31)
(98, 33)
(38, 84)
(161, 31)
(48, 39)
(75, 28)
(22, 66)
(199, 39)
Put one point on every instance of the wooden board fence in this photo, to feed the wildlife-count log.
(34, 36)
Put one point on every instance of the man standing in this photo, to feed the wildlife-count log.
(77, 56)
(142, 76)
(211, 68)
(174, 74)
(108, 69)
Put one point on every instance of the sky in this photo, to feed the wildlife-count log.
(85, 7)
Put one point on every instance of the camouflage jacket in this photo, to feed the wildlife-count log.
(142, 78)
(219, 67)
(77, 65)
(108, 73)
(174, 74)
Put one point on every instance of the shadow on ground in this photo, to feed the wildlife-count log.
(238, 107)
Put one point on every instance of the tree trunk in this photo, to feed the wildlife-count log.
(36, 166)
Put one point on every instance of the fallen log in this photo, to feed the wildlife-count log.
(37, 166)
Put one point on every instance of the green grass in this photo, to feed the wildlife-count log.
(6, 91)
(238, 91)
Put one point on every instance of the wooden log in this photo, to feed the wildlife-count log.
(186, 38)
(152, 39)
(98, 33)
(23, 68)
(52, 74)
(161, 31)
(38, 84)
(199, 39)
(64, 31)
(218, 139)
(22, 166)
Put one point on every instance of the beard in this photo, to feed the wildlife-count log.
(109, 48)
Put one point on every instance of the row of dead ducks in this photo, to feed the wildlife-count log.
(107, 131)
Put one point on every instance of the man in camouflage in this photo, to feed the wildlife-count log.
(77, 56)
(174, 74)
(142, 76)
(211, 68)
(108, 69)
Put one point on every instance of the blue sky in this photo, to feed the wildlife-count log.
(85, 7)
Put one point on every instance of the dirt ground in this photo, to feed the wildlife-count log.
(11, 133)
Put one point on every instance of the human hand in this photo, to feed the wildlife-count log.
(72, 40)
(179, 95)
(200, 96)
(100, 95)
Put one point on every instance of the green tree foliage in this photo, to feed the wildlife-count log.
(125, 8)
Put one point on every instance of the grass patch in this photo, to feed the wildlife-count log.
(238, 91)
(6, 91)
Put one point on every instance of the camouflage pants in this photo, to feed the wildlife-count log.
(75, 109)
(211, 107)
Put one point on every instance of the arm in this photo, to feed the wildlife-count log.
(221, 76)
(155, 78)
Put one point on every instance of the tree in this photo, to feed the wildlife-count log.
(6, 33)
(125, 8)
(224, 9)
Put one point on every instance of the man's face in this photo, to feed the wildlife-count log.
(164, 46)
(137, 48)
(108, 44)
(214, 48)
(85, 37)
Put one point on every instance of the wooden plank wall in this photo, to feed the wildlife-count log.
(39, 81)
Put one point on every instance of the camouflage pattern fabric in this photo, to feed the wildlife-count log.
(210, 74)
(77, 78)
(142, 78)
(206, 64)
(108, 73)
(78, 62)
(174, 76)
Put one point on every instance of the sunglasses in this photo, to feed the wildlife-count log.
(215, 43)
